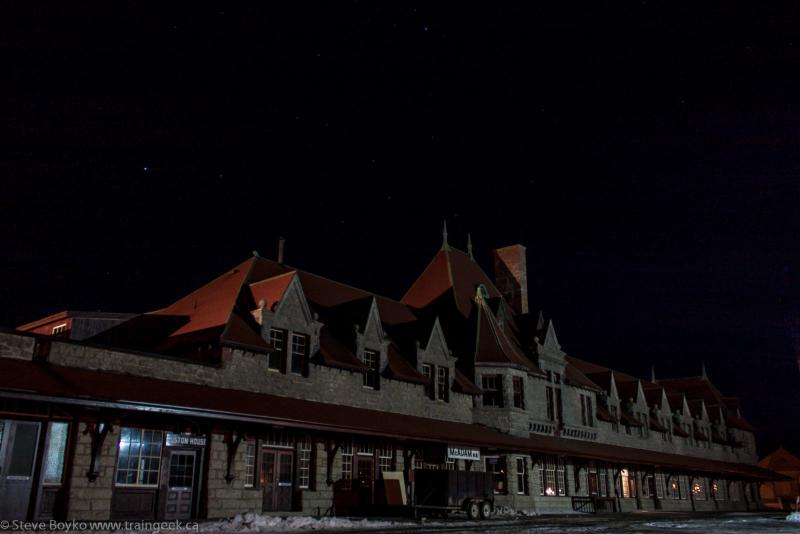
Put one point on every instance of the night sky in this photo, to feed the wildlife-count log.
(647, 156)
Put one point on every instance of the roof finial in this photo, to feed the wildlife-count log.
(445, 244)
(703, 370)
(652, 373)
(469, 245)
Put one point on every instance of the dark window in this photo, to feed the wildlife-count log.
(556, 378)
(522, 476)
(589, 411)
(443, 383)
(299, 345)
(586, 411)
(519, 392)
(427, 370)
(583, 410)
(22, 451)
(492, 390)
(278, 340)
(559, 407)
(551, 414)
(370, 357)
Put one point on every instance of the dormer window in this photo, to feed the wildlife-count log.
(442, 384)
(299, 346)
(427, 371)
(370, 358)
(278, 339)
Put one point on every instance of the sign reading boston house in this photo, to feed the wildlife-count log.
(463, 453)
(176, 440)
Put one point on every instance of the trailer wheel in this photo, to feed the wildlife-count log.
(485, 510)
(473, 510)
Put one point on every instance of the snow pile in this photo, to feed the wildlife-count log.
(252, 521)
(794, 517)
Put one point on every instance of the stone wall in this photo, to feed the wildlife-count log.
(248, 372)
(92, 500)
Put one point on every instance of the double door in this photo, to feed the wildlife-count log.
(276, 479)
(18, 445)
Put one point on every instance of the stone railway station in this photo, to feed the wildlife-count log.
(277, 390)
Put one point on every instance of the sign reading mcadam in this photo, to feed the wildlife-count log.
(463, 453)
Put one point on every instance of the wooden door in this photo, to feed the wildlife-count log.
(365, 482)
(180, 484)
(277, 479)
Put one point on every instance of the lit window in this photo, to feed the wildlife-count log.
(628, 483)
(139, 458)
(427, 371)
(370, 358)
(298, 353)
(59, 329)
(552, 479)
(278, 340)
(492, 390)
(519, 392)
(250, 464)
(698, 489)
(54, 455)
(497, 466)
(442, 383)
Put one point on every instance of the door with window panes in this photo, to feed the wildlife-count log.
(180, 479)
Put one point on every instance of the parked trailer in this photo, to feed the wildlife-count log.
(445, 490)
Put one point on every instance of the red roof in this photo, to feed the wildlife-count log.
(780, 460)
(450, 269)
(83, 386)
(271, 290)
(210, 305)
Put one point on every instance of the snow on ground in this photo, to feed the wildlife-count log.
(265, 523)
(794, 517)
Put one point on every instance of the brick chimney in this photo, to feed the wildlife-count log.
(511, 276)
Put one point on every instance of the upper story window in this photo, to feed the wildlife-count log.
(299, 351)
(427, 371)
(551, 411)
(442, 384)
(519, 392)
(370, 358)
(492, 390)
(278, 339)
(587, 414)
(615, 418)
